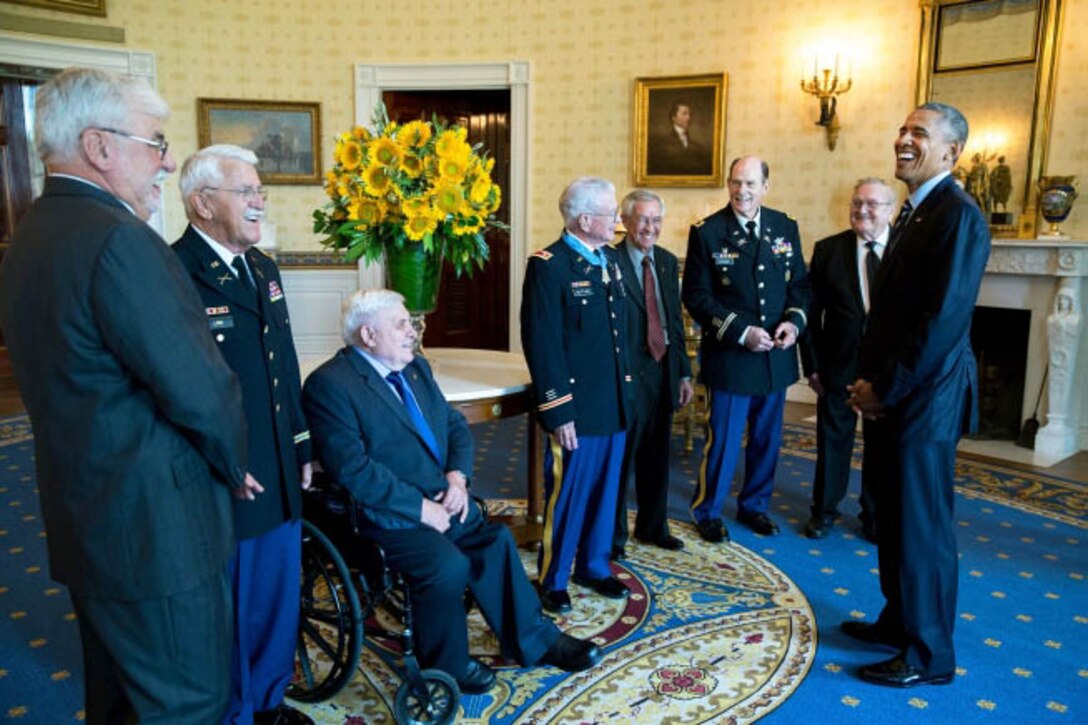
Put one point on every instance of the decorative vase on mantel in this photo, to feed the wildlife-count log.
(1056, 197)
(415, 273)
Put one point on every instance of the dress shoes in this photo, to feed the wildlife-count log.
(609, 587)
(618, 552)
(478, 678)
(282, 714)
(712, 530)
(557, 601)
(571, 654)
(871, 633)
(666, 541)
(759, 523)
(897, 673)
(818, 527)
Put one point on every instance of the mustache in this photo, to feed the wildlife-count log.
(253, 215)
(160, 177)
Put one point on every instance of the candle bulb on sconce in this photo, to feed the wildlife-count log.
(827, 86)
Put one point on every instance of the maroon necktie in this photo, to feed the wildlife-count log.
(655, 335)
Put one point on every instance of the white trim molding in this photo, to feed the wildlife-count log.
(372, 79)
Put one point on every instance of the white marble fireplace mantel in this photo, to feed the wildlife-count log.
(1048, 277)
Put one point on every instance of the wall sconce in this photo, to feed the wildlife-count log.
(826, 85)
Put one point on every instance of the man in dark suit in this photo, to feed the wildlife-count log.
(138, 428)
(247, 316)
(918, 375)
(658, 360)
(383, 430)
(745, 284)
(572, 331)
(842, 272)
(672, 151)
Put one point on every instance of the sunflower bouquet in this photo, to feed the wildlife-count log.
(414, 183)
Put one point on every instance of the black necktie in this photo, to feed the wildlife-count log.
(900, 222)
(414, 413)
(239, 265)
(751, 227)
(872, 264)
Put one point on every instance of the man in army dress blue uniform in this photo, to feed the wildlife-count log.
(572, 319)
(745, 284)
(247, 316)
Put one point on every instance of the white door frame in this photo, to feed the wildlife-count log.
(18, 50)
(372, 79)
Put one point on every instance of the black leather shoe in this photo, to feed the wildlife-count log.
(868, 532)
(609, 586)
(667, 542)
(618, 552)
(818, 527)
(897, 673)
(759, 523)
(478, 679)
(571, 654)
(713, 531)
(283, 714)
(871, 633)
(555, 601)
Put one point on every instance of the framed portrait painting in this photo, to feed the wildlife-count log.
(83, 7)
(679, 130)
(285, 136)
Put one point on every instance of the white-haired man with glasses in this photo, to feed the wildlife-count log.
(138, 428)
(247, 317)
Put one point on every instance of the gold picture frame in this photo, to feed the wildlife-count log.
(286, 136)
(83, 7)
(663, 155)
(978, 34)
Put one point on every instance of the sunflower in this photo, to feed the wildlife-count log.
(448, 197)
(451, 143)
(386, 152)
(468, 225)
(452, 168)
(416, 206)
(361, 133)
(366, 210)
(494, 200)
(480, 190)
(411, 165)
(376, 179)
(417, 226)
(350, 155)
(414, 135)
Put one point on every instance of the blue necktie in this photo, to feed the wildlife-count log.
(414, 413)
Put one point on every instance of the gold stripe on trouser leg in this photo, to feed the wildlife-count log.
(549, 510)
(700, 493)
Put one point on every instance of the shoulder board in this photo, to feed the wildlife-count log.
(790, 217)
(260, 252)
(542, 254)
(698, 224)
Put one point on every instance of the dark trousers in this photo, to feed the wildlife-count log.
(264, 575)
(836, 423)
(919, 568)
(164, 660)
(647, 452)
(729, 415)
(483, 557)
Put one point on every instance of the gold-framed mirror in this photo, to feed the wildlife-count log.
(995, 61)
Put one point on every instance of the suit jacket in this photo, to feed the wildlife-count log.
(917, 348)
(253, 332)
(572, 331)
(668, 156)
(638, 354)
(731, 283)
(837, 311)
(366, 442)
(132, 406)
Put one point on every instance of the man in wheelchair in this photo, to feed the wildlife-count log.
(382, 430)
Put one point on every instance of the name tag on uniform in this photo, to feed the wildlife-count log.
(221, 318)
(725, 258)
(582, 288)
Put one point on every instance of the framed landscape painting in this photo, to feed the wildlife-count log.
(285, 136)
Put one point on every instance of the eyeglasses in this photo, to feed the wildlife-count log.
(857, 205)
(613, 215)
(654, 220)
(248, 193)
(160, 143)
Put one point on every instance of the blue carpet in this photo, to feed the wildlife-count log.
(1022, 615)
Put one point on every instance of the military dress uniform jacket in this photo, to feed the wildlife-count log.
(253, 332)
(572, 332)
(731, 283)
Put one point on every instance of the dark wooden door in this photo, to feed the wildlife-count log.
(472, 312)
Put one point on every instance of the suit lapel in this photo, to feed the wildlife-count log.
(736, 236)
(634, 291)
(215, 274)
(381, 390)
(851, 272)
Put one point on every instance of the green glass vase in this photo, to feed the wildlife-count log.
(415, 274)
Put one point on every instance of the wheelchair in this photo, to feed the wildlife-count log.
(345, 581)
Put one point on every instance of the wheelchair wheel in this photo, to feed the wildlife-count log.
(330, 634)
(438, 706)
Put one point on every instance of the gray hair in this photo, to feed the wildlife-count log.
(362, 308)
(954, 121)
(876, 181)
(637, 195)
(205, 168)
(77, 99)
(580, 197)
